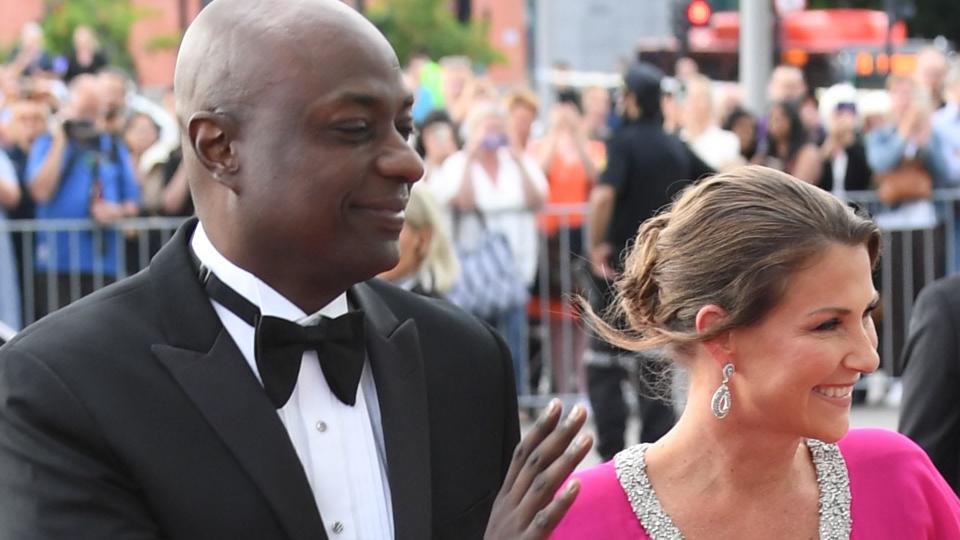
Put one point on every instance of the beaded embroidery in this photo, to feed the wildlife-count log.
(832, 480)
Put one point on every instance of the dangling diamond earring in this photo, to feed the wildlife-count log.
(720, 404)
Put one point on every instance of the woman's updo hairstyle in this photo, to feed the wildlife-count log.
(732, 240)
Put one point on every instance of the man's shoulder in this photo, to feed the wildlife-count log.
(946, 289)
(96, 322)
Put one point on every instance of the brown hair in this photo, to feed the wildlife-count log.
(732, 240)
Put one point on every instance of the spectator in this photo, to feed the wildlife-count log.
(29, 58)
(455, 75)
(907, 135)
(121, 101)
(572, 163)
(844, 158)
(140, 134)
(79, 172)
(730, 99)
(428, 264)
(809, 112)
(436, 142)
(717, 148)
(423, 76)
(786, 146)
(786, 84)
(673, 92)
(686, 69)
(930, 74)
(596, 113)
(907, 163)
(9, 285)
(874, 109)
(28, 120)
(946, 124)
(177, 200)
(507, 188)
(744, 126)
(86, 56)
(522, 108)
(645, 167)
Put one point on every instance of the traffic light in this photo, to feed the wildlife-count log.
(698, 12)
(689, 14)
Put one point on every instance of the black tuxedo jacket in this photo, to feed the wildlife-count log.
(131, 414)
(930, 410)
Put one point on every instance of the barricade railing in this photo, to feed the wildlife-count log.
(911, 259)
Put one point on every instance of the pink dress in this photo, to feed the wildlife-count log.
(895, 493)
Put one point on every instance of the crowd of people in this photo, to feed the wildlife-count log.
(81, 142)
(256, 357)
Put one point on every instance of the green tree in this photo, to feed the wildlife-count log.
(111, 20)
(430, 26)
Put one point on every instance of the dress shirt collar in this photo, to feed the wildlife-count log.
(254, 289)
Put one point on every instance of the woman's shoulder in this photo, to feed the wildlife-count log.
(601, 509)
(878, 445)
(895, 490)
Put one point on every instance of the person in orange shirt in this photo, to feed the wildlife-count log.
(571, 163)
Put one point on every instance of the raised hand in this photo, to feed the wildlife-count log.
(526, 508)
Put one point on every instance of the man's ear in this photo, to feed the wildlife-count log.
(719, 347)
(212, 137)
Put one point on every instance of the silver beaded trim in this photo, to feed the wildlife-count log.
(632, 474)
(832, 479)
(835, 519)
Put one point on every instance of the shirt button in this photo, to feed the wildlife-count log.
(337, 527)
(321, 426)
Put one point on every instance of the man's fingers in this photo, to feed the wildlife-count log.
(547, 519)
(550, 449)
(544, 486)
(544, 426)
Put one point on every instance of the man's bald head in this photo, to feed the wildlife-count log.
(236, 49)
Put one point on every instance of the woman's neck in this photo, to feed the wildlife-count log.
(726, 455)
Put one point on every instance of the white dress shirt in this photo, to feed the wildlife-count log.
(341, 447)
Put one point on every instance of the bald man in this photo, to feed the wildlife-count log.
(253, 382)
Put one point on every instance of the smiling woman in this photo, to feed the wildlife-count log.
(760, 286)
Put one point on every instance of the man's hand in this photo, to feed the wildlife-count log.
(600, 262)
(526, 508)
(104, 212)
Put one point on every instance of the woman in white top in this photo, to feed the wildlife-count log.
(507, 189)
(718, 148)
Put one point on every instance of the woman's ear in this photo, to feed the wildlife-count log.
(709, 318)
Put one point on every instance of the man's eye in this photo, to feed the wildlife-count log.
(826, 326)
(406, 131)
(354, 129)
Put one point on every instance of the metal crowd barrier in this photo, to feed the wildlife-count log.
(911, 259)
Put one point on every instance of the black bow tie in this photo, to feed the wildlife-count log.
(279, 345)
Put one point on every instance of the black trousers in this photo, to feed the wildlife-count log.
(610, 411)
(607, 369)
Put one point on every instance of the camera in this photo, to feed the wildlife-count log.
(82, 132)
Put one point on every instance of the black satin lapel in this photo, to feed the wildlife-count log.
(402, 391)
(226, 392)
